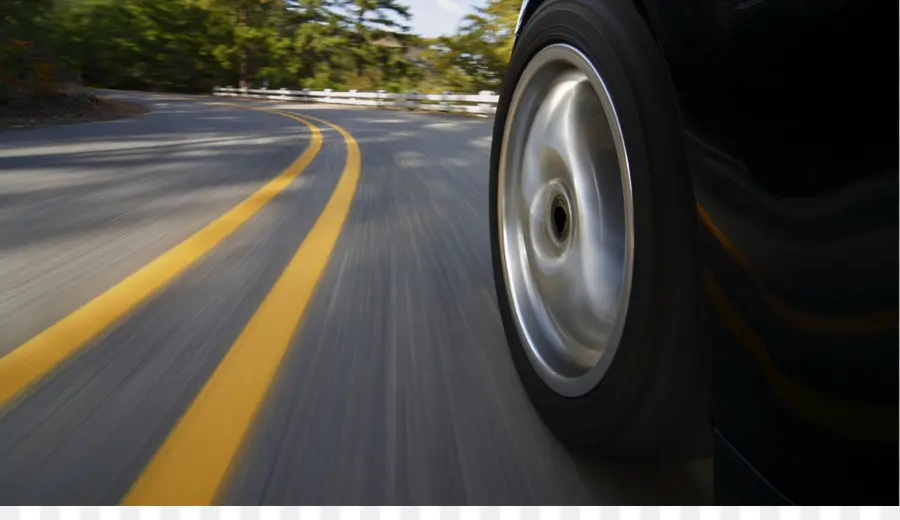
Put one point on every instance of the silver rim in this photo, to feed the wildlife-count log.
(566, 219)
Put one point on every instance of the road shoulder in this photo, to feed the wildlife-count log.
(67, 109)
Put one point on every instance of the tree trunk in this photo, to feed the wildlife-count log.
(360, 39)
(244, 55)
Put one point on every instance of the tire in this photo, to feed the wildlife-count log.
(653, 398)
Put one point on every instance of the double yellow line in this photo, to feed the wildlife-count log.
(193, 462)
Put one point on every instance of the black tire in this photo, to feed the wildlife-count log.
(654, 399)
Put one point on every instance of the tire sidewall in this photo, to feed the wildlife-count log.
(613, 37)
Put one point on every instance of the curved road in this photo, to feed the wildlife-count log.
(177, 326)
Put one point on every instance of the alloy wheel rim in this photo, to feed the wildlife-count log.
(565, 213)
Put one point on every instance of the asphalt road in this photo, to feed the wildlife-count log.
(366, 367)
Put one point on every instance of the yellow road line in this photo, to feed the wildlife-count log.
(35, 358)
(194, 461)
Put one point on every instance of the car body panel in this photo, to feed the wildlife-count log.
(522, 10)
(790, 134)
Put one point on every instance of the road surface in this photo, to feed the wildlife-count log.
(220, 303)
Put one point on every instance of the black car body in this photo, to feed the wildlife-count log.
(789, 113)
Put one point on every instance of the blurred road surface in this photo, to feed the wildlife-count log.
(140, 364)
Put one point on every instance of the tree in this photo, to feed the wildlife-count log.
(477, 56)
(253, 26)
(377, 30)
(193, 45)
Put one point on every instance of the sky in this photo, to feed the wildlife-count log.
(432, 18)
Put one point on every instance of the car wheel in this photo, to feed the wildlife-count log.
(593, 233)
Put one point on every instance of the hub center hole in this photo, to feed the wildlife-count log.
(560, 218)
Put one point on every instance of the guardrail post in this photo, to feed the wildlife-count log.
(328, 92)
(485, 108)
(445, 100)
(305, 95)
(352, 95)
(411, 102)
(284, 94)
(379, 98)
(243, 91)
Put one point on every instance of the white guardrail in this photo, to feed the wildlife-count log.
(484, 103)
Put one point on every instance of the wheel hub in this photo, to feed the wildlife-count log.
(565, 216)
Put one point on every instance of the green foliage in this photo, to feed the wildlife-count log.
(25, 66)
(193, 45)
(476, 57)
